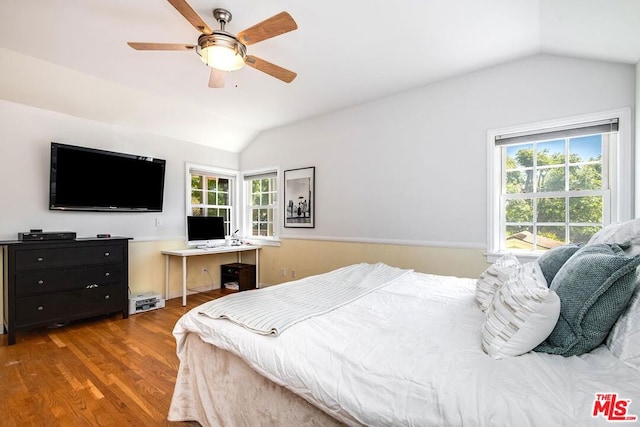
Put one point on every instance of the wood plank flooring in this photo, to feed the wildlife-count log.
(106, 371)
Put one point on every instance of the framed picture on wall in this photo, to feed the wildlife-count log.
(299, 197)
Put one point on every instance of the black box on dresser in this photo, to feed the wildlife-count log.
(57, 281)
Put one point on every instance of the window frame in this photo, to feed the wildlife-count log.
(619, 166)
(247, 177)
(234, 193)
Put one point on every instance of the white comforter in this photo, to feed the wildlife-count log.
(409, 354)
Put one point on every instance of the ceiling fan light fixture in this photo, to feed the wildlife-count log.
(221, 51)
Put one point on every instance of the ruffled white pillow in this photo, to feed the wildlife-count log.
(522, 314)
(492, 279)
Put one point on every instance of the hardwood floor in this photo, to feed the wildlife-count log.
(100, 372)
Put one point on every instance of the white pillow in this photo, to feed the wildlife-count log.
(624, 339)
(621, 233)
(493, 278)
(522, 314)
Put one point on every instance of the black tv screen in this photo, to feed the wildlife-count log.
(88, 179)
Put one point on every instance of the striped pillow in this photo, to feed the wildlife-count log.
(492, 279)
(522, 314)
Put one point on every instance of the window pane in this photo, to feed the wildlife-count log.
(223, 184)
(223, 199)
(519, 156)
(520, 210)
(585, 148)
(519, 237)
(549, 237)
(585, 177)
(519, 182)
(579, 234)
(255, 200)
(264, 200)
(550, 179)
(585, 209)
(196, 212)
(264, 184)
(550, 153)
(551, 209)
(196, 181)
(196, 197)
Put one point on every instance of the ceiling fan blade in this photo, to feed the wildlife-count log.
(271, 69)
(190, 15)
(217, 78)
(161, 46)
(271, 27)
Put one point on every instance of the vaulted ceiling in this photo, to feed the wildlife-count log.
(72, 56)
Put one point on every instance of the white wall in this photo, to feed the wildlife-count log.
(25, 137)
(411, 168)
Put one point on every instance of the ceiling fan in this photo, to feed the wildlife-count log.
(222, 51)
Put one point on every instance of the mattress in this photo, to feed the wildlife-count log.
(409, 354)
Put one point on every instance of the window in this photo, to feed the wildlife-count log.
(261, 191)
(557, 183)
(211, 193)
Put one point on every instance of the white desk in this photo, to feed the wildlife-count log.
(186, 253)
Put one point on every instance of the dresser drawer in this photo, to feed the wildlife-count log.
(47, 281)
(43, 258)
(69, 305)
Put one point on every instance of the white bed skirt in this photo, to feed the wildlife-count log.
(217, 388)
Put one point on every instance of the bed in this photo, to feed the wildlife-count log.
(410, 349)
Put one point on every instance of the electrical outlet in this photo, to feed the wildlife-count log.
(204, 271)
(283, 272)
(158, 222)
(293, 274)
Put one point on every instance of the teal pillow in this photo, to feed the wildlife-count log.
(552, 260)
(594, 287)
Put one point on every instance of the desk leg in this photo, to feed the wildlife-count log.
(184, 281)
(257, 268)
(166, 277)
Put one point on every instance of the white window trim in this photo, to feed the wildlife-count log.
(621, 176)
(244, 210)
(219, 172)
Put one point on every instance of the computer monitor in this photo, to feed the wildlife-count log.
(205, 231)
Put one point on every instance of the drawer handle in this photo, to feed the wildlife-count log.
(40, 308)
(92, 286)
(106, 297)
(40, 282)
(107, 274)
(107, 254)
(40, 259)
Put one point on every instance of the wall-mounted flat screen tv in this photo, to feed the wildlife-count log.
(87, 179)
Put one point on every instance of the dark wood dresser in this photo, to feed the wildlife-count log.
(57, 281)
